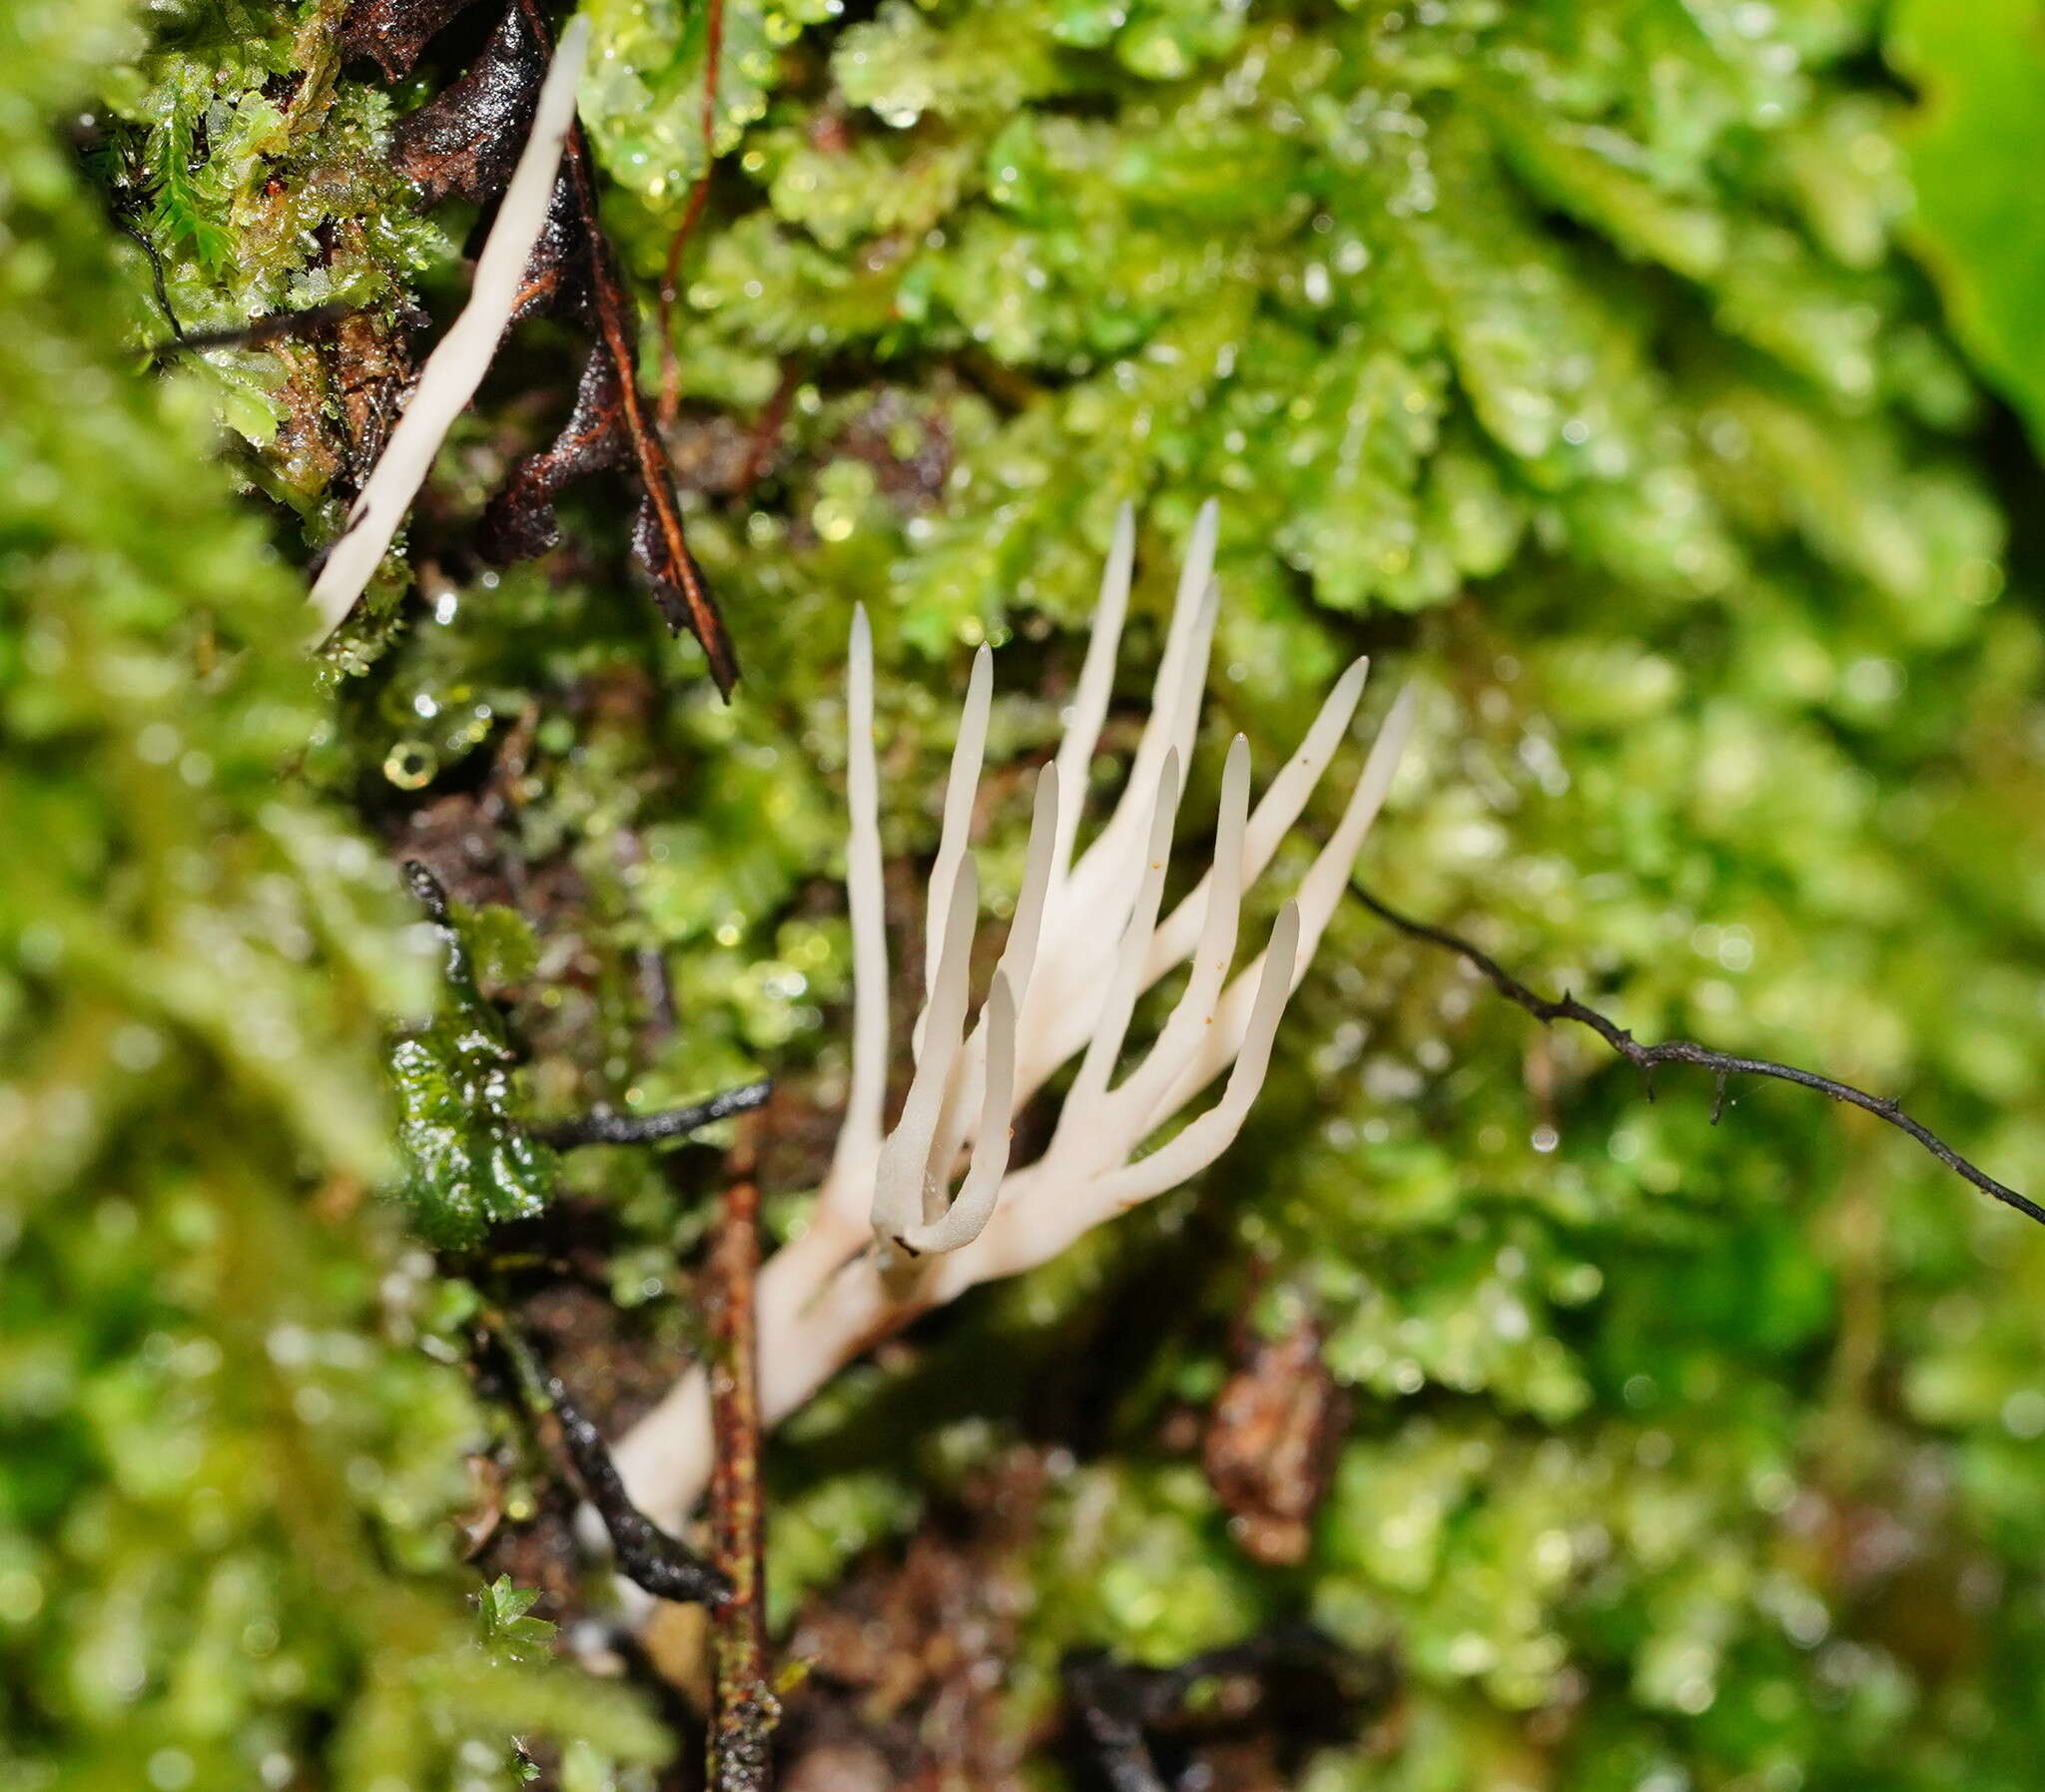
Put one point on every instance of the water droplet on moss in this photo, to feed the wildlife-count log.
(411, 764)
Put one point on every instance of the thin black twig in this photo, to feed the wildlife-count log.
(605, 1127)
(128, 228)
(646, 1555)
(429, 892)
(259, 331)
(1688, 1052)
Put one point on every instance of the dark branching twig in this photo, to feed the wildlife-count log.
(1687, 1052)
(605, 1127)
(646, 1555)
(744, 1709)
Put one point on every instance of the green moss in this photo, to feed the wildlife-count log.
(263, 184)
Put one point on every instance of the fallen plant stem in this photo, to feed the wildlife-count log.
(670, 358)
(1647, 1057)
(604, 1127)
(744, 1709)
(646, 1555)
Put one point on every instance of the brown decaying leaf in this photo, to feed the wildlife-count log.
(520, 521)
(394, 32)
(1271, 1442)
(372, 370)
(465, 142)
(556, 279)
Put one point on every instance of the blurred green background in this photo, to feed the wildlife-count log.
(1648, 381)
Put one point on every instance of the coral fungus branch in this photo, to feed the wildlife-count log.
(1646, 1058)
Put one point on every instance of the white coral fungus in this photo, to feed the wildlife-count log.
(892, 1236)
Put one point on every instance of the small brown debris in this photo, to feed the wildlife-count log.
(458, 841)
(849, 1766)
(1271, 1442)
(909, 1659)
(478, 1522)
(909, 448)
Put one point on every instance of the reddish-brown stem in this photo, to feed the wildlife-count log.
(745, 1707)
(766, 436)
(670, 280)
